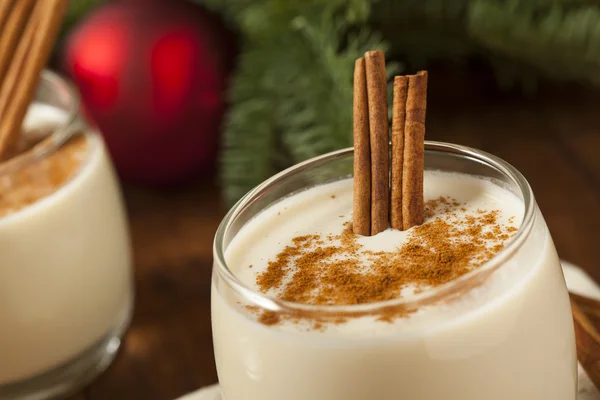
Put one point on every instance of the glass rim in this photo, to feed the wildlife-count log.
(59, 136)
(431, 294)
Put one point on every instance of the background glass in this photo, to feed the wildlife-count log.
(66, 289)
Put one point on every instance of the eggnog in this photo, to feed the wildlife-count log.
(409, 319)
(65, 278)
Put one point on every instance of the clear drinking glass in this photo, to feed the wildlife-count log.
(516, 342)
(66, 289)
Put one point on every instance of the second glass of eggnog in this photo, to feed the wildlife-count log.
(66, 290)
(470, 305)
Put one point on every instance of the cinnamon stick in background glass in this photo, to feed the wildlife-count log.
(35, 43)
(5, 6)
(12, 29)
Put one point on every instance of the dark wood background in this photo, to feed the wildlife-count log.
(553, 138)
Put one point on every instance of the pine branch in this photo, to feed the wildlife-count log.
(544, 4)
(291, 97)
(293, 92)
(432, 10)
(77, 10)
(317, 112)
(563, 43)
(249, 135)
(424, 31)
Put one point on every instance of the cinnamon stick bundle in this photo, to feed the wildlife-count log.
(27, 44)
(377, 200)
(371, 145)
(11, 31)
(5, 7)
(408, 150)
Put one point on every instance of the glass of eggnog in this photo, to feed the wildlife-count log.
(470, 305)
(65, 267)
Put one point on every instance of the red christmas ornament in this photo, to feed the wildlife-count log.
(152, 76)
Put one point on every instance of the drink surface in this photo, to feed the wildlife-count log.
(64, 254)
(307, 239)
(40, 178)
(478, 344)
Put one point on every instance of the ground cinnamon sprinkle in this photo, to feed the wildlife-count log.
(41, 178)
(269, 318)
(335, 270)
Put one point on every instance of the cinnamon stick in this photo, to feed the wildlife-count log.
(398, 121)
(413, 208)
(16, 65)
(12, 31)
(30, 58)
(361, 222)
(587, 341)
(5, 7)
(378, 134)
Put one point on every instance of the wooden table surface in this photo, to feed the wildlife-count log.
(552, 138)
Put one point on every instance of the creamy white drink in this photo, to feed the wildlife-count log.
(65, 278)
(508, 336)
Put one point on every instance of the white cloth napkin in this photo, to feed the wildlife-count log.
(577, 282)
